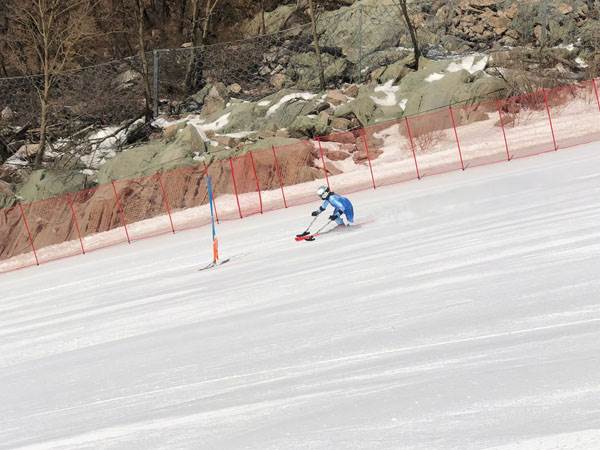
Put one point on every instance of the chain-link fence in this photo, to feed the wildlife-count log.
(351, 40)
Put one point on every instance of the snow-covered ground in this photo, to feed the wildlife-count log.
(462, 313)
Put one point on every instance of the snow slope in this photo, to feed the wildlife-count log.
(463, 313)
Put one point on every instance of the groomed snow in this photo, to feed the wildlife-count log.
(462, 313)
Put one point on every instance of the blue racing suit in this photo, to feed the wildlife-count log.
(341, 207)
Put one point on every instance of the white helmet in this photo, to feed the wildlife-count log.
(323, 192)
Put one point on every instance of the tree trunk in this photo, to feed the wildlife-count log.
(263, 25)
(3, 72)
(413, 33)
(39, 157)
(193, 76)
(191, 71)
(316, 43)
(44, 102)
(145, 75)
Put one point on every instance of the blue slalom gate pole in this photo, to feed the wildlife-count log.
(212, 220)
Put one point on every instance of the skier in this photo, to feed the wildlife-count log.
(341, 206)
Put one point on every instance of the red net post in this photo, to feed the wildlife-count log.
(412, 146)
(348, 158)
(363, 135)
(525, 120)
(226, 189)
(596, 92)
(499, 107)
(479, 134)
(165, 200)
(383, 152)
(462, 163)
(301, 171)
(76, 222)
(235, 190)
(550, 119)
(257, 182)
(323, 161)
(185, 189)
(121, 212)
(37, 262)
(244, 171)
(53, 228)
(15, 245)
(141, 202)
(278, 170)
(574, 113)
(99, 217)
(434, 142)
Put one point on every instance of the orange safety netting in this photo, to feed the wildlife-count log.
(452, 138)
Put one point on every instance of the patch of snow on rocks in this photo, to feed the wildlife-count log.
(288, 98)
(581, 63)
(390, 94)
(468, 63)
(434, 77)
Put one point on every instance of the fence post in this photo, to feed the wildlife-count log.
(462, 164)
(156, 81)
(550, 119)
(37, 262)
(214, 193)
(503, 130)
(121, 211)
(75, 221)
(596, 92)
(165, 201)
(323, 160)
(412, 146)
(237, 199)
(257, 183)
(364, 138)
(278, 171)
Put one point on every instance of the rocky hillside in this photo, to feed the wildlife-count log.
(267, 91)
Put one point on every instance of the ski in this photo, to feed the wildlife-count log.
(311, 237)
(212, 265)
(306, 237)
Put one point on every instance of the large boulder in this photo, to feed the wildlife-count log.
(304, 69)
(7, 196)
(393, 72)
(339, 29)
(237, 117)
(283, 108)
(46, 183)
(310, 126)
(215, 99)
(363, 108)
(279, 19)
(183, 150)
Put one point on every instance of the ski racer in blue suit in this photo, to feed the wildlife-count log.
(341, 206)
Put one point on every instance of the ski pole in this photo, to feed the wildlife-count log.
(323, 227)
(309, 225)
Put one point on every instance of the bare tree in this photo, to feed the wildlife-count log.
(140, 31)
(402, 4)
(198, 37)
(44, 37)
